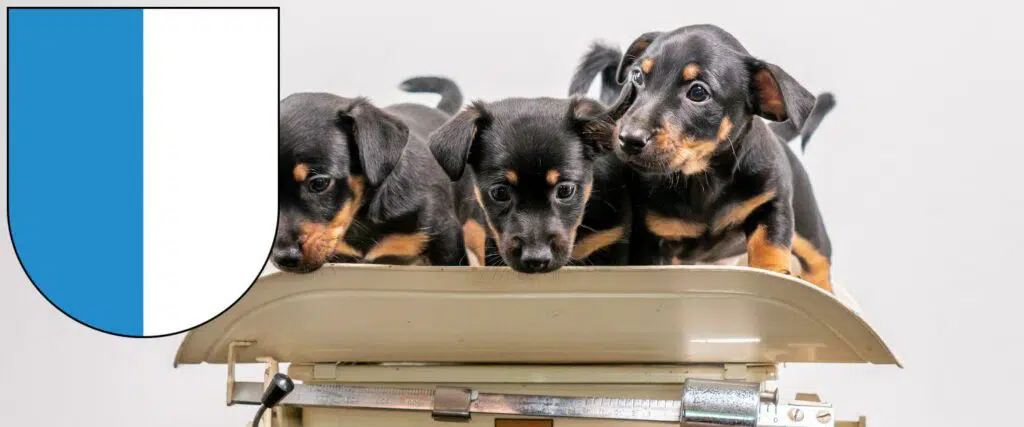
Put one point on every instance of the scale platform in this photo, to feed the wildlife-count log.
(366, 339)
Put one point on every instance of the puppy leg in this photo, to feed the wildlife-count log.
(816, 266)
(447, 246)
(643, 248)
(769, 232)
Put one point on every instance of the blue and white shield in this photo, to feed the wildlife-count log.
(142, 156)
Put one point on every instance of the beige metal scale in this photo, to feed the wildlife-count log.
(376, 346)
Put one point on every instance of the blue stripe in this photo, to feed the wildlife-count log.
(75, 176)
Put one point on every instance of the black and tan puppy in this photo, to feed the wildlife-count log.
(714, 180)
(602, 59)
(358, 183)
(543, 173)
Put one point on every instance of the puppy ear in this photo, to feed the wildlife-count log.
(596, 128)
(625, 100)
(379, 137)
(776, 96)
(452, 142)
(635, 50)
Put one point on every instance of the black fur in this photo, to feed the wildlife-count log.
(695, 170)
(605, 59)
(511, 148)
(334, 149)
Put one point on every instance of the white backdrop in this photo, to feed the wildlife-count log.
(915, 171)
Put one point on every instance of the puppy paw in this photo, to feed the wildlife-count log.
(774, 262)
(783, 270)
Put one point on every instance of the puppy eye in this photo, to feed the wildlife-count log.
(565, 190)
(499, 193)
(698, 93)
(637, 77)
(319, 183)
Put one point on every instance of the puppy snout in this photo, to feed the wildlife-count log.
(536, 258)
(633, 140)
(287, 258)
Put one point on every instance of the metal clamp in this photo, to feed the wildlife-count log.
(712, 402)
(451, 404)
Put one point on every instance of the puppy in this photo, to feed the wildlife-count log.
(603, 59)
(358, 183)
(713, 179)
(549, 188)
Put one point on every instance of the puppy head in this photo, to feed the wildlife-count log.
(690, 92)
(332, 152)
(532, 163)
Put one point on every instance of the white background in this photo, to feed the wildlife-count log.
(209, 110)
(916, 171)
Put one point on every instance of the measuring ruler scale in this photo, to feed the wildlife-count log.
(703, 402)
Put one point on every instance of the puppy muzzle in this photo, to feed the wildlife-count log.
(540, 253)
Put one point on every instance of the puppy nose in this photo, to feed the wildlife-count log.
(633, 140)
(287, 258)
(536, 257)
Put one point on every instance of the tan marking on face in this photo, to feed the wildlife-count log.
(490, 227)
(357, 188)
(552, 177)
(300, 172)
(318, 241)
(817, 266)
(495, 235)
(475, 239)
(314, 239)
(647, 65)
(724, 129)
(512, 177)
(588, 188)
(683, 152)
(676, 261)
(768, 94)
(673, 228)
(399, 245)
(596, 241)
(739, 212)
(691, 71)
(765, 255)
(698, 164)
(494, 231)
(479, 197)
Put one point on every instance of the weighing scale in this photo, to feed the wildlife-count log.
(403, 346)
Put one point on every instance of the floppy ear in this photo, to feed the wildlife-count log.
(379, 137)
(634, 51)
(593, 124)
(625, 100)
(452, 142)
(776, 96)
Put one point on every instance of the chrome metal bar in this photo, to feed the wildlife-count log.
(707, 403)
(339, 396)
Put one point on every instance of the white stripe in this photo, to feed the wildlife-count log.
(210, 159)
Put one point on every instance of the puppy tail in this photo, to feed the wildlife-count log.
(600, 58)
(823, 104)
(451, 96)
